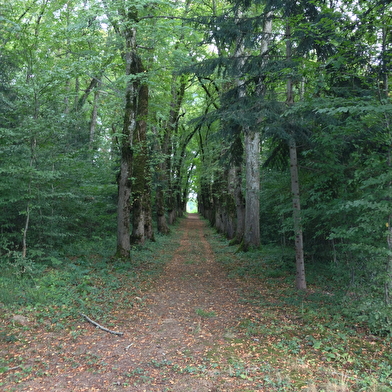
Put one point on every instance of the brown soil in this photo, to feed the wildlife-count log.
(178, 340)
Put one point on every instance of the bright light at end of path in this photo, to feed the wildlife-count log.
(191, 205)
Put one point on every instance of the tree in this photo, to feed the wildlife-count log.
(133, 139)
(47, 146)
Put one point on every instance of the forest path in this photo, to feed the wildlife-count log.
(183, 338)
(190, 329)
(191, 314)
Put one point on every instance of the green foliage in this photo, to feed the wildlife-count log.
(205, 313)
(87, 280)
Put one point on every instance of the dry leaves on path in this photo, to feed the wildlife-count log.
(177, 341)
(195, 330)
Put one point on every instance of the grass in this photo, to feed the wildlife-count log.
(299, 341)
(205, 313)
(86, 279)
(291, 342)
(54, 295)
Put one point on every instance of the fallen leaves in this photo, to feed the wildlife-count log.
(194, 328)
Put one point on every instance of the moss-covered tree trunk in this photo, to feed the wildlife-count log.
(126, 155)
(141, 196)
(133, 195)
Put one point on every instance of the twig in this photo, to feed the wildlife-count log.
(100, 326)
(13, 368)
(129, 345)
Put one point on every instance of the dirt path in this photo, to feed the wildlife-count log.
(178, 341)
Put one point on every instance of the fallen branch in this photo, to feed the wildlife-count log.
(100, 326)
(12, 368)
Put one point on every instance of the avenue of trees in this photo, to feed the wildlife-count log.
(276, 113)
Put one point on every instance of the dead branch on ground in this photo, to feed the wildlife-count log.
(100, 326)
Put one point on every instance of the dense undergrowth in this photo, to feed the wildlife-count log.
(322, 336)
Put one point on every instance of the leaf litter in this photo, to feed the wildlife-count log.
(195, 329)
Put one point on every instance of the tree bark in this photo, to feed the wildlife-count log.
(123, 202)
(252, 198)
(125, 174)
(239, 206)
(251, 238)
(93, 121)
(162, 225)
(252, 156)
(300, 279)
(165, 186)
(141, 203)
(388, 284)
(230, 206)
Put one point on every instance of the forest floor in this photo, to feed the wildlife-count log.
(194, 329)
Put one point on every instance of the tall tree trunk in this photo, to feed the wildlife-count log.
(162, 186)
(384, 94)
(33, 147)
(251, 238)
(239, 205)
(230, 207)
(219, 187)
(300, 280)
(124, 199)
(252, 195)
(176, 203)
(205, 201)
(126, 158)
(252, 158)
(93, 120)
(162, 225)
(165, 186)
(388, 284)
(141, 203)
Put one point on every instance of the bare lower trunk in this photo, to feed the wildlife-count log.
(300, 280)
(123, 207)
(162, 226)
(252, 198)
(239, 206)
(33, 147)
(24, 239)
(137, 236)
(219, 224)
(388, 283)
(388, 291)
(230, 216)
(93, 122)
(171, 216)
(141, 203)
